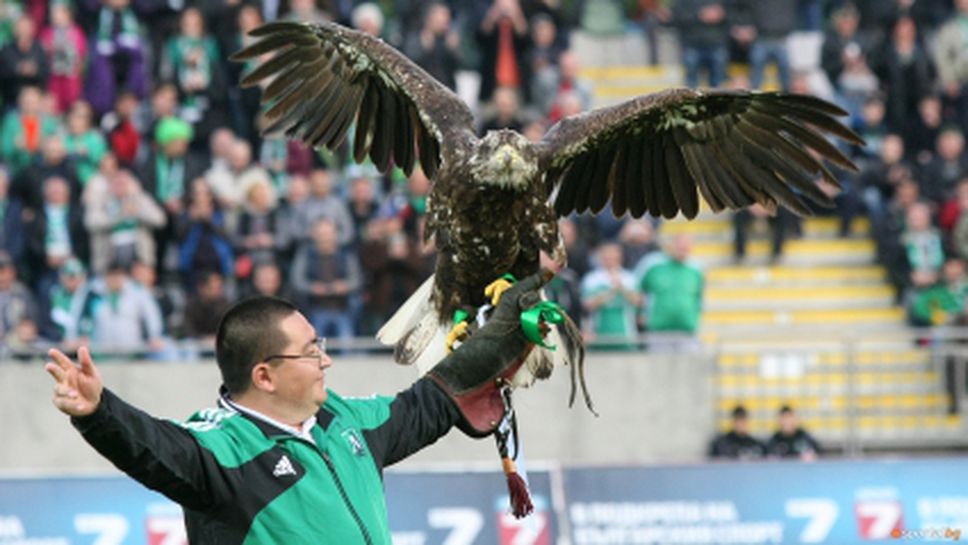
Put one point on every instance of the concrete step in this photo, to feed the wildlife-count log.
(798, 298)
(766, 406)
(719, 227)
(868, 426)
(794, 276)
(795, 252)
(768, 318)
(739, 362)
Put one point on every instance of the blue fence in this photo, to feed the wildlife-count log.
(836, 502)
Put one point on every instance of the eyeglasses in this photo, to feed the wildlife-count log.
(318, 351)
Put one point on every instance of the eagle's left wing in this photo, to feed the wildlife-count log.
(651, 153)
(325, 76)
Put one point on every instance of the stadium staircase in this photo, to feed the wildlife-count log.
(819, 330)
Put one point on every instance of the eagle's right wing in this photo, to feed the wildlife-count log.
(325, 76)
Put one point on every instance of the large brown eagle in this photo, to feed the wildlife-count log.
(496, 199)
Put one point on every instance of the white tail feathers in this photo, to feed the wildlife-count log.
(408, 315)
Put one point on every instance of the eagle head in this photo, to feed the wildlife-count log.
(504, 158)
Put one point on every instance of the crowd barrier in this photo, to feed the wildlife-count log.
(827, 502)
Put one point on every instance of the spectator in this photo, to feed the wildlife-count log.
(951, 60)
(764, 28)
(673, 292)
(53, 163)
(781, 222)
(322, 204)
(879, 177)
(325, 276)
(545, 50)
(367, 17)
(791, 440)
(204, 244)
(737, 443)
(11, 220)
(703, 29)
(923, 135)
(170, 168)
(611, 299)
(505, 113)
(123, 129)
(54, 234)
(23, 62)
(119, 56)
(306, 11)
(24, 130)
(949, 165)
(654, 13)
(503, 40)
(564, 289)
(637, 238)
(122, 222)
(393, 270)
(192, 61)
(843, 58)
(260, 231)
(942, 303)
(24, 343)
(436, 48)
(363, 205)
(577, 248)
(922, 246)
(66, 48)
(16, 302)
(890, 250)
(244, 103)
(169, 297)
(954, 220)
(124, 316)
(85, 145)
(906, 75)
(63, 315)
(553, 83)
(267, 280)
(231, 183)
(204, 311)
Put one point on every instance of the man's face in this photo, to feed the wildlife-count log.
(300, 383)
(741, 425)
(7, 276)
(788, 423)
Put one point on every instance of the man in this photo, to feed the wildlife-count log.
(673, 291)
(283, 459)
(610, 298)
(792, 441)
(738, 444)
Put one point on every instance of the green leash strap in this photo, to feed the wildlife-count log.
(547, 311)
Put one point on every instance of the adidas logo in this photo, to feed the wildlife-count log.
(283, 467)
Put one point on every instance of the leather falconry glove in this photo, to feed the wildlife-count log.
(474, 374)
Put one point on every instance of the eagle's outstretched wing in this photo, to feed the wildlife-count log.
(325, 76)
(651, 153)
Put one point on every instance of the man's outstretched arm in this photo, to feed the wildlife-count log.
(159, 454)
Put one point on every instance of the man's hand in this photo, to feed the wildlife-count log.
(77, 391)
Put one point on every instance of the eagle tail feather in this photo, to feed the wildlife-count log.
(406, 318)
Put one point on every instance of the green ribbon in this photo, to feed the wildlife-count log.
(460, 315)
(547, 311)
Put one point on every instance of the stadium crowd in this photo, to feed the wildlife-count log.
(138, 198)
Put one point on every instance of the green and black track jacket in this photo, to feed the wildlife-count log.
(242, 480)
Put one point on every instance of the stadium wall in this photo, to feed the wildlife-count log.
(652, 409)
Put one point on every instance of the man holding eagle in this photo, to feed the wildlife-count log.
(283, 460)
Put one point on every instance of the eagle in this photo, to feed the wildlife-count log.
(496, 199)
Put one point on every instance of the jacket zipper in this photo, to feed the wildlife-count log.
(346, 499)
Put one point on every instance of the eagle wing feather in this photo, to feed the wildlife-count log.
(655, 152)
(325, 76)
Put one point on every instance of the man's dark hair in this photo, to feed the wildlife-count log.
(249, 333)
(786, 409)
(739, 412)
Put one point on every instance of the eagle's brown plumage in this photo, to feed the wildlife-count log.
(496, 199)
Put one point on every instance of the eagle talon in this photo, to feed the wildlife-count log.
(495, 289)
(456, 333)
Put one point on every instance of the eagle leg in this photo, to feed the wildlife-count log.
(457, 333)
(495, 289)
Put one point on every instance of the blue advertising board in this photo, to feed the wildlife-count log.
(828, 502)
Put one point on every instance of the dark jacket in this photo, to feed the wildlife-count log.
(736, 446)
(773, 19)
(241, 479)
(695, 33)
(792, 446)
(36, 235)
(12, 228)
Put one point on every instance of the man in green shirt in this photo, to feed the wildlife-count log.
(283, 459)
(611, 300)
(673, 290)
